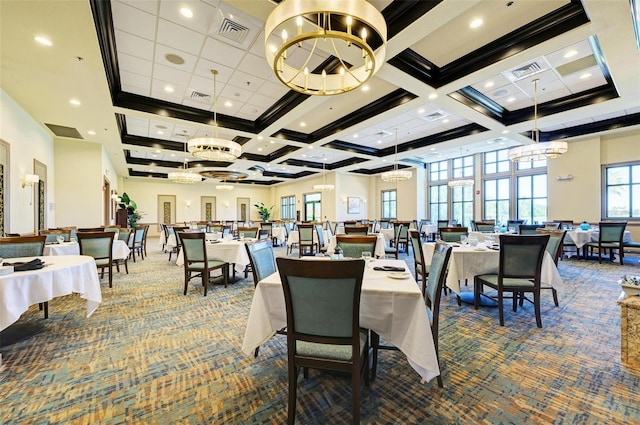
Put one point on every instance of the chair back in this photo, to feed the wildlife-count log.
(322, 303)
(521, 257)
(267, 226)
(354, 245)
(515, 224)
(485, 226)
(112, 229)
(193, 246)
(443, 223)
(435, 283)
(320, 234)
(356, 230)
(248, 232)
(453, 234)
(98, 245)
(215, 228)
(551, 225)
(611, 231)
(564, 224)
(22, 246)
(262, 259)
(305, 233)
(263, 234)
(138, 236)
(384, 224)
(556, 242)
(530, 229)
(52, 235)
(124, 234)
(416, 244)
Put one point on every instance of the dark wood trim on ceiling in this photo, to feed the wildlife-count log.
(134, 173)
(562, 20)
(370, 172)
(172, 164)
(103, 20)
(273, 156)
(590, 128)
(378, 106)
(402, 13)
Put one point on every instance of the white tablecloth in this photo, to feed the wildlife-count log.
(62, 275)
(119, 251)
(467, 262)
(228, 251)
(581, 237)
(429, 229)
(279, 233)
(294, 237)
(380, 244)
(392, 308)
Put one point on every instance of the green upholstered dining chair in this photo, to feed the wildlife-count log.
(24, 246)
(403, 235)
(453, 234)
(323, 323)
(248, 232)
(554, 248)
(268, 226)
(394, 246)
(322, 244)
(519, 272)
(307, 243)
(197, 261)
(52, 235)
(530, 229)
(138, 242)
(175, 230)
(99, 245)
(354, 245)
(356, 230)
(421, 271)
(123, 235)
(609, 239)
(484, 226)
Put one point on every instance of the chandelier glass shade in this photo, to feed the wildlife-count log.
(214, 148)
(396, 175)
(296, 31)
(460, 183)
(184, 176)
(224, 187)
(537, 150)
(324, 187)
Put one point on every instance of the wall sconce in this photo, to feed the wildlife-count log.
(565, 177)
(30, 180)
(226, 204)
(187, 204)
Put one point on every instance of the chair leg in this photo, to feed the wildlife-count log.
(205, 280)
(256, 351)
(111, 275)
(500, 311)
(186, 281)
(293, 387)
(555, 296)
(355, 395)
(375, 343)
(536, 307)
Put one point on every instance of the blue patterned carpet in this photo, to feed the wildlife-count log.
(150, 355)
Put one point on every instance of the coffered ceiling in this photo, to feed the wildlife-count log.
(142, 73)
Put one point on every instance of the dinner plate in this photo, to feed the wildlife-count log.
(399, 275)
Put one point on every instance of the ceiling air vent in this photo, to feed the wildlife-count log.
(200, 97)
(233, 30)
(527, 70)
(383, 133)
(62, 131)
(438, 115)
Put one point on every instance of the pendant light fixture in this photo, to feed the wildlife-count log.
(396, 175)
(184, 176)
(324, 187)
(537, 150)
(225, 187)
(214, 148)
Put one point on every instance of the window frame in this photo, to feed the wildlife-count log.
(393, 204)
(604, 192)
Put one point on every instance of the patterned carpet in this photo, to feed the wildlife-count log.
(150, 355)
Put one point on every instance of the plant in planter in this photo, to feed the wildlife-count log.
(263, 211)
(133, 214)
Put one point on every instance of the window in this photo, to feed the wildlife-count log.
(496, 200)
(438, 202)
(462, 204)
(312, 207)
(622, 191)
(389, 205)
(496, 162)
(462, 167)
(288, 207)
(438, 171)
(532, 198)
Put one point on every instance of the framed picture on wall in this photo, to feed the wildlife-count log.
(353, 205)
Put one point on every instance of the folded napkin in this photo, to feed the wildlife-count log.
(24, 266)
(389, 269)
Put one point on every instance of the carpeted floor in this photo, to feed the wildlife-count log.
(150, 355)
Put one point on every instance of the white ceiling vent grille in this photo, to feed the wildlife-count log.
(527, 70)
(200, 97)
(233, 30)
(438, 115)
(383, 133)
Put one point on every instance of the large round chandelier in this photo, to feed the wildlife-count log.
(214, 148)
(324, 187)
(396, 175)
(296, 30)
(184, 176)
(537, 150)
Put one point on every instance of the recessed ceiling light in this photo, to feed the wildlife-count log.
(501, 142)
(511, 99)
(379, 141)
(501, 92)
(505, 131)
(173, 154)
(570, 54)
(421, 111)
(158, 151)
(355, 136)
(585, 76)
(433, 96)
(384, 160)
(310, 147)
(365, 88)
(272, 141)
(259, 149)
(303, 124)
(260, 137)
(186, 12)
(489, 84)
(304, 155)
(168, 89)
(476, 23)
(446, 120)
(43, 40)
(160, 132)
(228, 104)
(91, 132)
(75, 102)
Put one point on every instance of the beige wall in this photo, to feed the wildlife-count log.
(28, 140)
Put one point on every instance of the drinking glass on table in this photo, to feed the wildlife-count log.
(463, 239)
(60, 239)
(366, 256)
(512, 230)
(473, 241)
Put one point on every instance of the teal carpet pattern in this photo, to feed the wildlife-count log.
(150, 355)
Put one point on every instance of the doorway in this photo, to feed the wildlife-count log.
(41, 195)
(166, 209)
(243, 209)
(207, 208)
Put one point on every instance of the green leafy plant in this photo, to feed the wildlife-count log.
(130, 205)
(263, 211)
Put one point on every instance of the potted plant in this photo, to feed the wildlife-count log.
(133, 215)
(263, 211)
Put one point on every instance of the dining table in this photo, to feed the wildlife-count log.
(119, 251)
(393, 308)
(580, 237)
(467, 261)
(61, 275)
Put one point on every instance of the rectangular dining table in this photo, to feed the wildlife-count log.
(393, 308)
